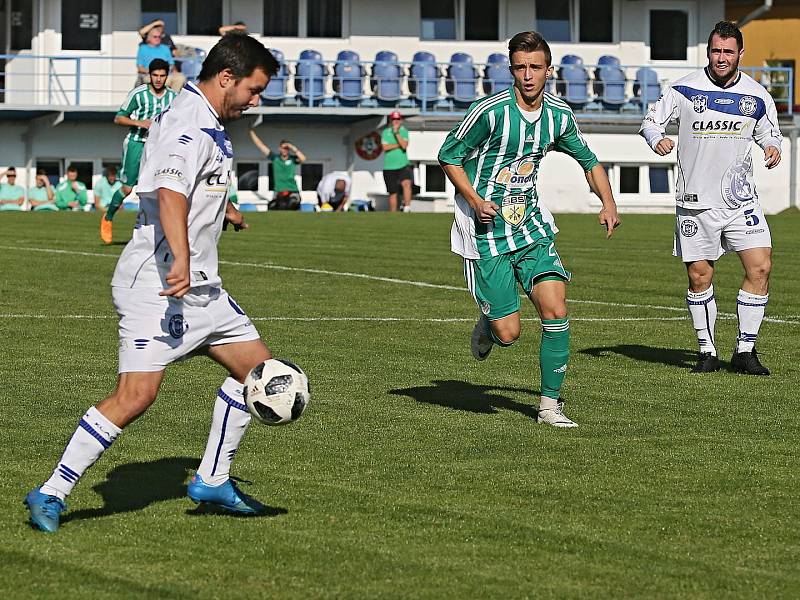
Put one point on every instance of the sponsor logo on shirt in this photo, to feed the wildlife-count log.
(513, 209)
(724, 101)
(169, 173)
(688, 227)
(736, 187)
(518, 174)
(730, 127)
(699, 103)
(747, 105)
(690, 197)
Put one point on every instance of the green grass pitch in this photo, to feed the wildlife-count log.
(416, 472)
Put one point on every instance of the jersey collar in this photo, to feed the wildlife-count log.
(190, 87)
(724, 87)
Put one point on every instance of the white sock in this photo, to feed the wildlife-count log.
(750, 310)
(93, 436)
(546, 403)
(228, 425)
(703, 309)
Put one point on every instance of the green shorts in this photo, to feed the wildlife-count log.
(493, 281)
(131, 157)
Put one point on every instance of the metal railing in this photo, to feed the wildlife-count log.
(31, 81)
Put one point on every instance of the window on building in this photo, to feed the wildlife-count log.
(629, 180)
(434, 178)
(324, 18)
(438, 19)
(80, 24)
(669, 34)
(281, 18)
(85, 172)
(481, 20)
(166, 10)
(311, 174)
(247, 176)
(596, 21)
(21, 24)
(659, 179)
(203, 17)
(553, 20)
(52, 168)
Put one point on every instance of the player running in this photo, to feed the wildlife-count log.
(503, 233)
(167, 289)
(137, 112)
(719, 110)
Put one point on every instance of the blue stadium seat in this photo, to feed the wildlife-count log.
(608, 61)
(309, 77)
(646, 88)
(275, 92)
(386, 80)
(571, 59)
(462, 80)
(423, 79)
(496, 77)
(191, 67)
(496, 57)
(348, 55)
(573, 86)
(348, 81)
(609, 85)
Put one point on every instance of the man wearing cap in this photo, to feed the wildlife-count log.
(396, 167)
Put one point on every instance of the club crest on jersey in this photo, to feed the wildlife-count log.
(513, 209)
(699, 103)
(177, 326)
(737, 188)
(748, 105)
(518, 174)
(688, 228)
(485, 308)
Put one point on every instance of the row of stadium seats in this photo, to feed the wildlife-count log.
(386, 81)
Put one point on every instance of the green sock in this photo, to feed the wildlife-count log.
(554, 355)
(113, 206)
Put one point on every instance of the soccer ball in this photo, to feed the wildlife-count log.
(276, 392)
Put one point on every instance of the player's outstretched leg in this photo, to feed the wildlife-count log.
(553, 359)
(212, 483)
(703, 310)
(750, 310)
(106, 225)
(94, 435)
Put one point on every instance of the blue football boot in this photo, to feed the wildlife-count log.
(226, 496)
(45, 510)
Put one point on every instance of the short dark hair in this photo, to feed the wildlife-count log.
(41, 171)
(284, 142)
(529, 41)
(158, 64)
(111, 170)
(241, 54)
(72, 169)
(11, 170)
(725, 30)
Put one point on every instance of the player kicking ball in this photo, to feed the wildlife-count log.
(505, 236)
(167, 289)
(720, 110)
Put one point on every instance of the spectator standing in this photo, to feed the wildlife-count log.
(105, 188)
(71, 193)
(41, 195)
(151, 49)
(12, 196)
(396, 167)
(334, 189)
(284, 169)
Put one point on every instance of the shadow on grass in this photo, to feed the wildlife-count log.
(666, 356)
(136, 486)
(461, 395)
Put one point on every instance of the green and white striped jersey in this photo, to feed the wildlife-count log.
(142, 104)
(500, 152)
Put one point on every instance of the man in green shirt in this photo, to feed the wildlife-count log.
(504, 234)
(141, 106)
(71, 193)
(284, 168)
(41, 196)
(397, 172)
(12, 196)
(105, 188)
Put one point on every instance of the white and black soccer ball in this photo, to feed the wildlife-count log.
(276, 392)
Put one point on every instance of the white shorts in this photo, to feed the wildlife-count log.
(155, 331)
(709, 233)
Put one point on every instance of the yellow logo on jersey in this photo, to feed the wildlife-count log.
(518, 174)
(513, 209)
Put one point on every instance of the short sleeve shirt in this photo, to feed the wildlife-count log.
(283, 171)
(396, 158)
(105, 191)
(11, 192)
(38, 193)
(147, 53)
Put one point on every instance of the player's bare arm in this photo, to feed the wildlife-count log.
(772, 157)
(234, 216)
(598, 182)
(300, 156)
(128, 122)
(262, 147)
(484, 209)
(173, 211)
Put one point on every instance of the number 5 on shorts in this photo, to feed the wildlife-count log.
(750, 219)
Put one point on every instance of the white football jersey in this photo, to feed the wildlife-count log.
(187, 151)
(716, 124)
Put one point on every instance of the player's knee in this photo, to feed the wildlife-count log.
(554, 312)
(133, 400)
(508, 334)
(760, 271)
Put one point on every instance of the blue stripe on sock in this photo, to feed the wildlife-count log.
(222, 395)
(103, 441)
(698, 302)
(740, 303)
(67, 470)
(221, 437)
(67, 478)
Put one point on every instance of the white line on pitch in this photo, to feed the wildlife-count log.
(384, 279)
